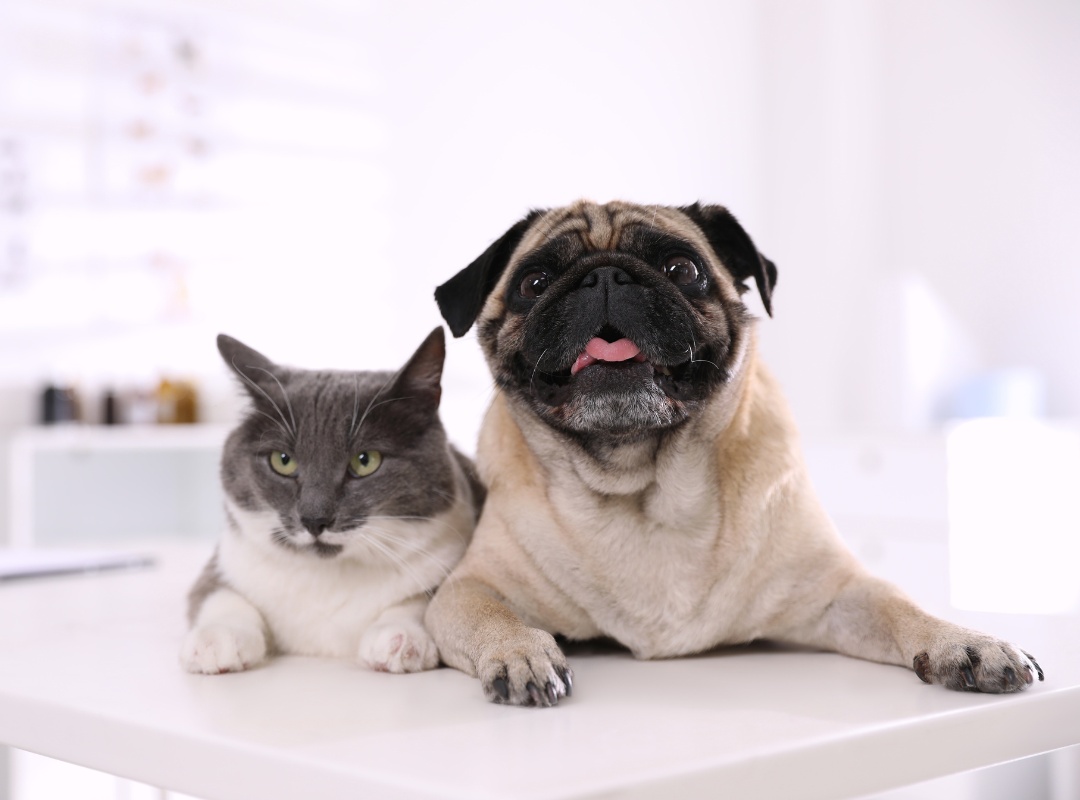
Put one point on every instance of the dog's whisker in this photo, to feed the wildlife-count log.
(536, 366)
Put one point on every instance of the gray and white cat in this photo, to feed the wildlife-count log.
(346, 508)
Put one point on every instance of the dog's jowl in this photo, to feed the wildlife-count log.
(644, 476)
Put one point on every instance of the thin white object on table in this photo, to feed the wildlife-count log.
(23, 564)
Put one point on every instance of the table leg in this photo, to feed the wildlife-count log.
(5, 773)
(1065, 773)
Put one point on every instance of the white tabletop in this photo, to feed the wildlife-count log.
(88, 674)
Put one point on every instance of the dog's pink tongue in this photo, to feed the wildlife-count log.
(602, 350)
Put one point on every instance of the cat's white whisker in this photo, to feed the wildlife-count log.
(376, 405)
(445, 525)
(254, 385)
(411, 546)
(395, 538)
(285, 396)
(356, 429)
(356, 406)
(283, 428)
(425, 586)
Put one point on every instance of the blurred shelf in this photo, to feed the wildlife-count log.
(78, 437)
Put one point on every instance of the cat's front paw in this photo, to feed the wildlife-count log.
(398, 647)
(977, 663)
(528, 671)
(214, 649)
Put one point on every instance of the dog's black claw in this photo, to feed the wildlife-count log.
(1010, 677)
(535, 698)
(501, 687)
(567, 676)
(921, 665)
(552, 693)
(1038, 669)
(969, 678)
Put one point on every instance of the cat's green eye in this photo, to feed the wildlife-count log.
(365, 463)
(283, 464)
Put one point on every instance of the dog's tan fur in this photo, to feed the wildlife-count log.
(710, 534)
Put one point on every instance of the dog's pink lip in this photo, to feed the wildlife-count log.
(601, 350)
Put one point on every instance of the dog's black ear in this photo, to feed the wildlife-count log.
(462, 297)
(735, 249)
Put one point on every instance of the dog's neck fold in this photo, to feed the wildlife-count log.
(515, 444)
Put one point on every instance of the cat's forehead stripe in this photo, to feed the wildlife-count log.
(319, 407)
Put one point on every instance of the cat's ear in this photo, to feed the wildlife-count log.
(256, 371)
(420, 380)
(462, 297)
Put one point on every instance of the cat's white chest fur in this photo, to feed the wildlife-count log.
(312, 606)
(365, 603)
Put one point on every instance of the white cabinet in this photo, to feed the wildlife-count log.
(80, 483)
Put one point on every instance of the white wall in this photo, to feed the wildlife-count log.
(367, 151)
(982, 173)
(927, 141)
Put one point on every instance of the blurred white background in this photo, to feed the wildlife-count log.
(302, 173)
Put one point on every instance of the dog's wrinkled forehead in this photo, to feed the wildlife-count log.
(602, 227)
(586, 227)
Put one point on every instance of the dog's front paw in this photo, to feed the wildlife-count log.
(398, 647)
(977, 663)
(214, 649)
(529, 671)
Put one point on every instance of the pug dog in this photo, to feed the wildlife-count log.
(644, 477)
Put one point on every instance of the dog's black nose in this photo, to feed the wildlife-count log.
(316, 525)
(606, 277)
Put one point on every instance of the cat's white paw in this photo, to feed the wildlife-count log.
(398, 647)
(213, 649)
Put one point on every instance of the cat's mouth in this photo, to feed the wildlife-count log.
(325, 549)
(303, 541)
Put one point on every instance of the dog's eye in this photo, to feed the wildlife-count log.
(533, 285)
(681, 271)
